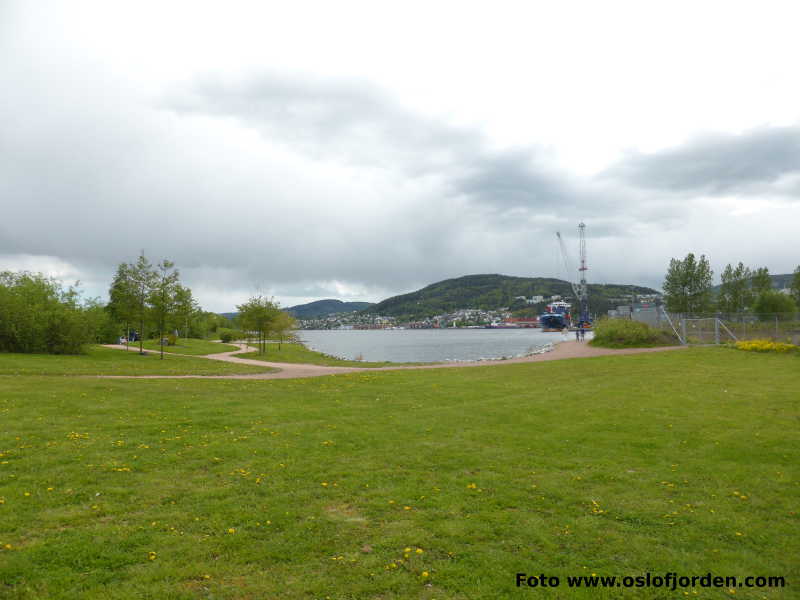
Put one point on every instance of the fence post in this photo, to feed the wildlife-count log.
(716, 331)
(683, 330)
(776, 327)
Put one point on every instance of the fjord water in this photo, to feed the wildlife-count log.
(428, 345)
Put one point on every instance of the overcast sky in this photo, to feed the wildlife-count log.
(356, 150)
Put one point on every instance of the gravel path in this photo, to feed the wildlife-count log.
(561, 351)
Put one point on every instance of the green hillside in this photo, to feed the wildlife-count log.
(492, 292)
(323, 308)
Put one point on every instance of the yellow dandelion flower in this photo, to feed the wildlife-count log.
(151, 555)
(324, 484)
(419, 550)
(425, 574)
(406, 549)
(231, 530)
(406, 508)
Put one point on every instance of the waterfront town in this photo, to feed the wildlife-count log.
(507, 317)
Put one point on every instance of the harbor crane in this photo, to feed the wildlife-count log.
(579, 286)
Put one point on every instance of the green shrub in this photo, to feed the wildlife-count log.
(38, 315)
(229, 335)
(624, 333)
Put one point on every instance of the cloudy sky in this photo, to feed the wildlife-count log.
(356, 150)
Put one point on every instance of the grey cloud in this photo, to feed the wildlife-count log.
(354, 122)
(346, 184)
(717, 164)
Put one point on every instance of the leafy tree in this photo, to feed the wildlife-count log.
(186, 309)
(37, 314)
(142, 281)
(122, 298)
(282, 325)
(771, 304)
(795, 287)
(687, 285)
(162, 297)
(735, 294)
(761, 281)
(259, 314)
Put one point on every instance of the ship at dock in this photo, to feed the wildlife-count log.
(557, 316)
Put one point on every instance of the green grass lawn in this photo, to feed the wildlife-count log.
(298, 353)
(684, 462)
(188, 346)
(106, 361)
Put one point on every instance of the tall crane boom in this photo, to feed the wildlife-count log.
(567, 267)
(579, 288)
(583, 288)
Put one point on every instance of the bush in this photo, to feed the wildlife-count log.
(624, 333)
(773, 304)
(38, 315)
(229, 335)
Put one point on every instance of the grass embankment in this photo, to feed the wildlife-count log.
(107, 361)
(682, 461)
(188, 346)
(624, 333)
(298, 353)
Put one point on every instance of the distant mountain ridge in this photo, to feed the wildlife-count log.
(779, 282)
(323, 308)
(493, 291)
(488, 292)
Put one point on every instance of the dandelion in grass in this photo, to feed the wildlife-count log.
(231, 530)
(151, 555)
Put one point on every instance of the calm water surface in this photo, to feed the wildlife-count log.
(430, 345)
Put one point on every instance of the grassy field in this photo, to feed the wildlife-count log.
(404, 484)
(298, 353)
(106, 361)
(188, 346)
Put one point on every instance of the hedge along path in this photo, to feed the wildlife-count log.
(561, 351)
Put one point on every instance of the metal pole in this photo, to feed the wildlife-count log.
(683, 329)
(776, 327)
(716, 330)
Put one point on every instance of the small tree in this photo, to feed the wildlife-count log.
(186, 308)
(143, 279)
(795, 287)
(283, 324)
(761, 281)
(687, 285)
(162, 297)
(259, 315)
(735, 294)
(122, 303)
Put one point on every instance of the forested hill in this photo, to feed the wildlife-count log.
(494, 291)
(323, 308)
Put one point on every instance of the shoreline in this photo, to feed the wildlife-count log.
(560, 351)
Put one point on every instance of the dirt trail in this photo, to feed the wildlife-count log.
(561, 351)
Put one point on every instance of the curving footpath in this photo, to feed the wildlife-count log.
(561, 351)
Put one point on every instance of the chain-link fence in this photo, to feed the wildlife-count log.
(720, 328)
